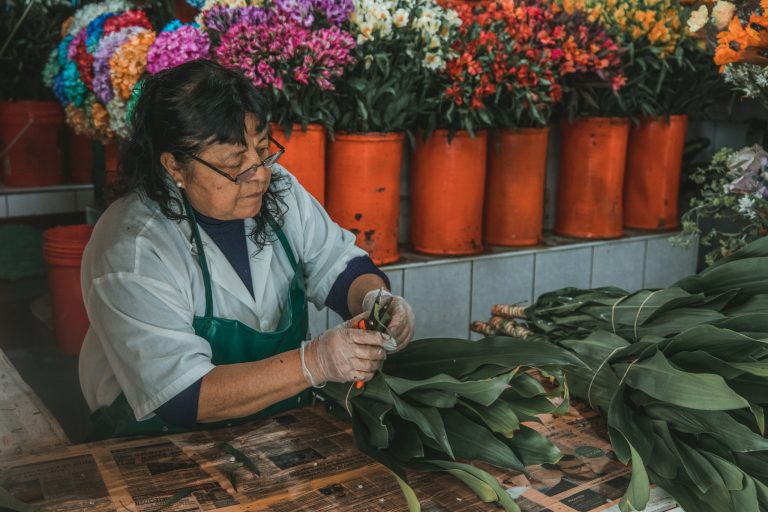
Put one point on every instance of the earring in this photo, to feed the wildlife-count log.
(179, 184)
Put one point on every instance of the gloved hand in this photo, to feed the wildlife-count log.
(342, 354)
(401, 325)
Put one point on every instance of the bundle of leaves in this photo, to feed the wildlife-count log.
(680, 374)
(439, 402)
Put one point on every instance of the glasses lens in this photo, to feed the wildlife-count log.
(272, 159)
(246, 175)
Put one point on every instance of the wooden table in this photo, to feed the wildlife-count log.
(306, 461)
(26, 425)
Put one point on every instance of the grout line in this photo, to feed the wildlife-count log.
(532, 294)
(471, 295)
(591, 266)
(645, 264)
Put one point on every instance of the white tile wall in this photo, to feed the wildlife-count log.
(619, 264)
(440, 297)
(666, 263)
(3, 206)
(556, 269)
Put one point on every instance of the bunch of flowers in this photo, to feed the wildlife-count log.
(741, 43)
(399, 44)
(176, 44)
(522, 53)
(105, 49)
(733, 199)
(666, 69)
(293, 49)
(587, 56)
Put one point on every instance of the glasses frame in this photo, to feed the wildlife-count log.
(267, 163)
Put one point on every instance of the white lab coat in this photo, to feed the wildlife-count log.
(142, 286)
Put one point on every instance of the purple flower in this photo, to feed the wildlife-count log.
(75, 42)
(280, 51)
(102, 80)
(220, 19)
(176, 47)
(307, 12)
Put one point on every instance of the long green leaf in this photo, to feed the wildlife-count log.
(484, 392)
(475, 442)
(428, 420)
(656, 377)
(502, 496)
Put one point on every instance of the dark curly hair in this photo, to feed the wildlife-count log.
(182, 111)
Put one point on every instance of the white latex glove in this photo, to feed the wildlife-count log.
(342, 354)
(401, 325)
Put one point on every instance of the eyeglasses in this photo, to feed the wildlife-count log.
(268, 163)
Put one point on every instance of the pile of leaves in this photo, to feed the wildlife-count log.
(440, 401)
(681, 375)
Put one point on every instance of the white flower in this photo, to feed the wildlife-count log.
(698, 19)
(434, 62)
(401, 18)
(722, 14)
(365, 33)
(746, 206)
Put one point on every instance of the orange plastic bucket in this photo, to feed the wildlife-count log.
(305, 156)
(364, 189)
(63, 252)
(514, 192)
(652, 181)
(79, 158)
(590, 186)
(31, 142)
(447, 189)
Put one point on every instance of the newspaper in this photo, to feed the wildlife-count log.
(304, 461)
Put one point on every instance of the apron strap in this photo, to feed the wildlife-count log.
(200, 255)
(284, 243)
(204, 263)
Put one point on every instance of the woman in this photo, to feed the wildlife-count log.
(197, 277)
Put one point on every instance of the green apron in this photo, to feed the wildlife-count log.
(231, 342)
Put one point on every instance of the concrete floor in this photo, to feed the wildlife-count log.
(27, 339)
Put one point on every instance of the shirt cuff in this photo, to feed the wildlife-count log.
(337, 297)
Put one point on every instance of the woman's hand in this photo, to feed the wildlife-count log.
(401, 325)
(343, 354)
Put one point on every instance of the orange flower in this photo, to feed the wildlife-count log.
(757, 30)
(731, 44)
(129, 62)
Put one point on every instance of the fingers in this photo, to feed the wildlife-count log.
(361, 337)
(352, 322)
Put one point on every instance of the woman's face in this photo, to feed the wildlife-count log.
(214, 195)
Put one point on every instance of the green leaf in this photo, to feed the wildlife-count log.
(423, 359)
(502, 497)
(428, 420)
(500, 416)
(372, 413)
(472, 441)
(484, 392)
(639, 490)
(241, 458)
(533, 448)
(175, 499)
(657, 378)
